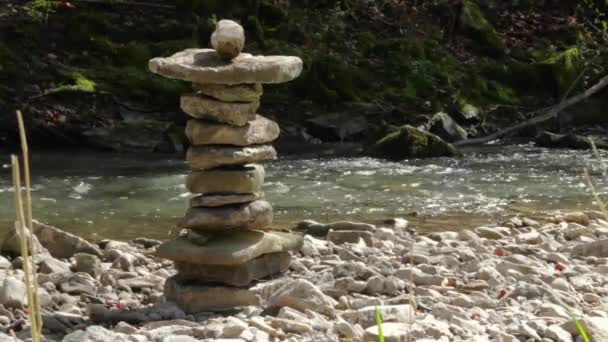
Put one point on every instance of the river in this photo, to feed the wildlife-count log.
(120, 196)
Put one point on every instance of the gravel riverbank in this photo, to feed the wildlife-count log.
(519, 280)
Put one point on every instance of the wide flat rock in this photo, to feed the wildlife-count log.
(217, 200)
(229, 248)
(211, 156)
(231, 93)
(236, 275)
(193, 297)
(255, 132)
(246, 179)
(254, 215)
(204, 107)
(206, 66)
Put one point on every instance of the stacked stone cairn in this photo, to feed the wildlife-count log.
(226, 244)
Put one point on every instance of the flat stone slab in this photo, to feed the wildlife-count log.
(217, 200)
(246, 179)
(204, 107)
(237, 275)
(205, 66)
(229, 248)
(255, 132)
(231, 93)
(211, 156)
(254, 215)
(194, 298)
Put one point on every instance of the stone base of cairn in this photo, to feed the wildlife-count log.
(226, 243)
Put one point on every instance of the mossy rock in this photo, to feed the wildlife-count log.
(410, 142)
(561, 69)
(479, 28)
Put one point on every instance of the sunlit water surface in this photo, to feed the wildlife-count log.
(122, 196)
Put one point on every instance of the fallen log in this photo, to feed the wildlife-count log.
(551, 113)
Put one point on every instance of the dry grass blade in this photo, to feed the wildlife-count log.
(596, 195)
(29, 215)
(596, 152)
(24, 249)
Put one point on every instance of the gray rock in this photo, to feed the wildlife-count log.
(596, 327)
(88, 263)
(96, 334)
(231, 93)
(48, 264)
(230, 248)
(192, 297)
(445, 127)
(218, 200)
(239, 180)
(410, 142)
(298, 294)
(79, 283)
(12, 243)
(61, 244)
(4, 263)
(255, 131)
(13, 293)
(254, 215)
(228, 39)
(237, 275)
(208, 157)
(597, 248)
(205, 66)
(390, 314)
(349, 236)
(200, 106)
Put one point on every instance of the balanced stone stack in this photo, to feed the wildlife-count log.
(226, 243)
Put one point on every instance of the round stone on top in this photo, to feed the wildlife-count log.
(205, 66)
(228, 39)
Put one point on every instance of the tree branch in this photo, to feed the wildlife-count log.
(552, 112)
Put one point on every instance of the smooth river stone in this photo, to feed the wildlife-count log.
(193, 297)
(205, 66)
(240, 180)
(256, 132)
(204, 107)
(208, 157)
(228, 39)
(254, 215)
(231, 93)
(229, 248)
(217, 200)
(237, 275)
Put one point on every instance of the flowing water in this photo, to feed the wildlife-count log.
(122, 196)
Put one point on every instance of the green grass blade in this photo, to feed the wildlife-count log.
(580, 328)
(379, 323)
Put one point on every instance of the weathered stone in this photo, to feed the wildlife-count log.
(62, 244)
(231, 93)
(88, 263)
(254, 215)
(230, 248)
(390, 313)
(48, 264)
(597, 248)
(445, 127)
(205, 66)
(236, 275)
(240, 180)
(392, 332)
(204, 107)
(208, 157)
(13, 293)
(193, 297)
(12, 243)
(255, 132)
(299, 294)
(349, 236)
(216, 200)
(410, 142)
(228, 39)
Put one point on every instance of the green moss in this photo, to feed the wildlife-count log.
(134, 54)
(480, 29)
(410, 142)
(80, 83)
(562, 68)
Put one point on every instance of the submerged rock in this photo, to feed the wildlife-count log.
(410, 142)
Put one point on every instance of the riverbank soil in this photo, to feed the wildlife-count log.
(78, 69)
